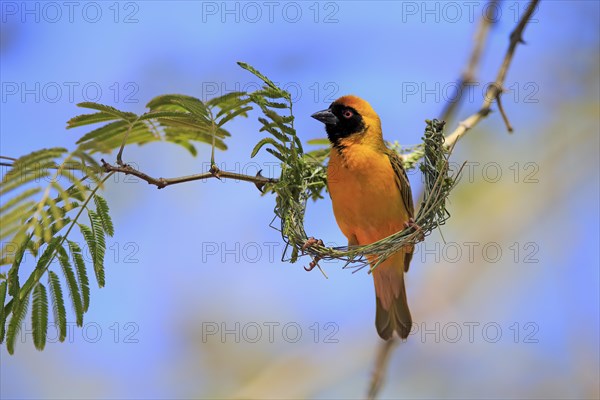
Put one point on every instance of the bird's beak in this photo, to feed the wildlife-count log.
(326, 117)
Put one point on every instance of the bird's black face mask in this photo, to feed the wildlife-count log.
(340, 121)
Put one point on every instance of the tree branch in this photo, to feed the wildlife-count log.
(381, 363)
(469, 74)
(214, 172)
(495, 89)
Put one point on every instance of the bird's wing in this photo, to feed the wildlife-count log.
(402, 181)
(404, 186)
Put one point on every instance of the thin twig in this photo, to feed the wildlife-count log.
(214, 172)
(495, 89)
(469, 74)
(381, 363)
(503, 113)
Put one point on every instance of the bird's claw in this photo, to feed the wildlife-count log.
(309, 243)
(312, 264)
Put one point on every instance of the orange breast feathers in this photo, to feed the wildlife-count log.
(366, 200)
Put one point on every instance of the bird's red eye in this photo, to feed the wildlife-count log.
(347, 114)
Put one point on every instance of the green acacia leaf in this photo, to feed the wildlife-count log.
(277, 154)
(14, 220)
(104, 213)
(39, 316)
(126, 116)
(186, 145)
(241, 111)
(67, 270)
(88, 236)
(34, 166)
(47, 255)
(58, 305)
(174, 102)
(110, 136)
(266, 80)
(99, 239)
(179, 136)
(275, 104)
(226, 99)
(21, 197)
(82, 277)
(233, 105)
(89, 119)
(164, 114)
(105, 132)
(264, 142)
(3, 290)
(19, 311)
(13, 273)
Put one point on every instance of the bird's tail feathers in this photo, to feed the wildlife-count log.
(396, 318)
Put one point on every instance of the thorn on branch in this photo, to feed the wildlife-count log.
(260, 185)
(517, 37)
(504, 116)
(161, 183)
(215, 171)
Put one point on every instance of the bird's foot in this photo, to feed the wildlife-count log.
(309, 243)
(412, 224)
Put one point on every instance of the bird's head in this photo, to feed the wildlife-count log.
(350, 117)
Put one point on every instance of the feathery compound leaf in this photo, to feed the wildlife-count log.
(39, 316)
(277, 154)
(233, 104)
(228, 117)
(15, 218)
(46, 258)
(58, 305)
(20, 198)
(177, 102)
(63, 259)
(38, 157)
(14, 326)
(33, 166)
(103, 212)
(100, 241)
(226, 99)
(3, 290)
(110, 136)
(90, 240)
(126, 116)
(82, 277)
(264, 142)
(187, 121)
(183, 135)
(164, 114)
(13, 273)
(89, 119)
(266, 80)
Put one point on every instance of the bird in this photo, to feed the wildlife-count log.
(372, 199)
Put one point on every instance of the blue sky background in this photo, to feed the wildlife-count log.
(201, 255)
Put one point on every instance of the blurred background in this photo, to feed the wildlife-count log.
(197, 302)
